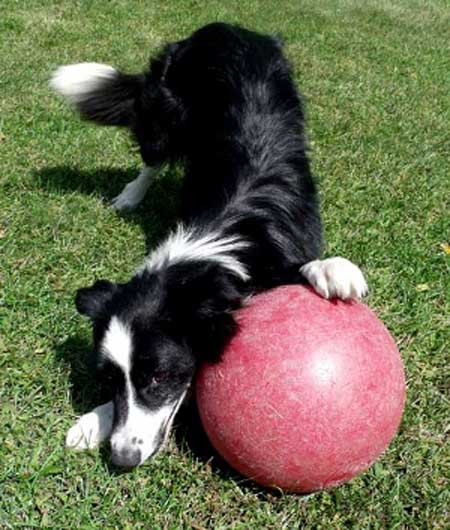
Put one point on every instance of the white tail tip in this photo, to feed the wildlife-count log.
(76, 81)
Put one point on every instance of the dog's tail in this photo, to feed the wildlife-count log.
(99, 92)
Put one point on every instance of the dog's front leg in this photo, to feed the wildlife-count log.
(91, 429)
(134, 192)
(335, 277)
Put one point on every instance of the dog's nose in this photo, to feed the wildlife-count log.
(126, 457)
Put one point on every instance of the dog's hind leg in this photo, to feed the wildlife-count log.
(135, 191)
(335, 277)
(92, 428)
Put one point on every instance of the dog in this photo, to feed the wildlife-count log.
(223, 103)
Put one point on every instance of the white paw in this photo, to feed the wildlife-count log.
(91, 429)
(335, 277)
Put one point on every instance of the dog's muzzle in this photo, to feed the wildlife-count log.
(126, 457)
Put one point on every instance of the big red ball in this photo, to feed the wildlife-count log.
(308, 393)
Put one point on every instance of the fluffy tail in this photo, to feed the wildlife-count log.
(99, 92)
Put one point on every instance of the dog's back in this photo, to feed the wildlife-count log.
(222, 101)
(248, 166)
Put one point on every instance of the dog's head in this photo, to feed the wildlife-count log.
(149, 335)
(146, 366)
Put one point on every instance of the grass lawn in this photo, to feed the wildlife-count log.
(376, 78)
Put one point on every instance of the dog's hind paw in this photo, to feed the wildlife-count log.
(335, 277)
(91, 429)
(127, 200)
(134, 192)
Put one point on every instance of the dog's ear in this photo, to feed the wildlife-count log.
(204, 310)
(210, 333)
(91, 301)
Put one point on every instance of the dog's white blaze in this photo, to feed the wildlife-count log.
(117, 344)
(183, 244)
(76, 81)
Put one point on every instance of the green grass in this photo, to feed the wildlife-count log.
(376, 78)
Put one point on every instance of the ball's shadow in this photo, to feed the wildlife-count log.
(189, 432)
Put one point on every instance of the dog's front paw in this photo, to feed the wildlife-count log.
(335, 277)
(91, 429)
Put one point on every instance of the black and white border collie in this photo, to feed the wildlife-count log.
(223, 103)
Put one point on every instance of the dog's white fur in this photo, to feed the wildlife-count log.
(335, 277)
(96, 427)
(117, 344)
(76, 81)
(184, 245)
(91, 429)
(143, 427)
(134, 192)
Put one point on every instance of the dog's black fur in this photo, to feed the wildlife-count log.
(223, 102)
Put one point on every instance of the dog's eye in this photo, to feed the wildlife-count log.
(149, 381)
(158, 378)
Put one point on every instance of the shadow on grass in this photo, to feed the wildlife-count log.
(157, 213)
(106, 182)
(76, 353)
(189, 432)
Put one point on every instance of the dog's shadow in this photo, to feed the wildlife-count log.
(161, 203)
(75, 353)
(155, 215)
